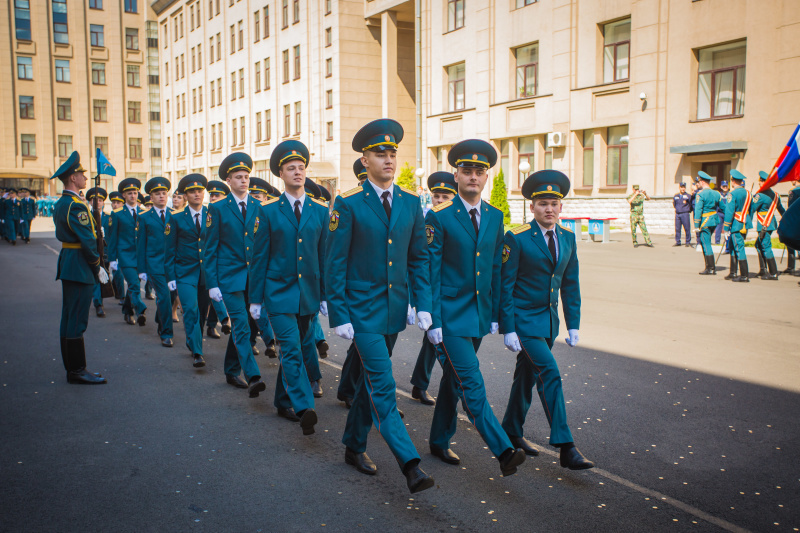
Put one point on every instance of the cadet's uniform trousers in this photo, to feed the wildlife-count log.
(421, 378)
(216, 313)
(75, 304)
(705, 234)
(133, 298)
(292, 388)
(163, 305)
(195, 304)
(351, 373)
(239, 353)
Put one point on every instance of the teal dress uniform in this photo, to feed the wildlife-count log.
(27, 214)
(706, 219)
(124, 226)
(763, 207)
(97, 293)
(12, 215)
(738, 221)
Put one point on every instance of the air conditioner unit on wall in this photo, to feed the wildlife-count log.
(555, 138)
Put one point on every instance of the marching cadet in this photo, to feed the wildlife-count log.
(101, 194)
(794, 195)
(465, 240)
(723, 201)
(118, 281)
(763, 206)
(124, 225)
(682, 202)
(229, 239)
(311, 354)
(3, 213)
(289, 277)
(737, 222)
(79, 269)
(706, 219)
(217, 190)
(12, 214)
(27, 213)
(184, 262)
(443, 188)
(376, 248)
(262, 191)
(154, 228)
(636, 199)
(537, 257)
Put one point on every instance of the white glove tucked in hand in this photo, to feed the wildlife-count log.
(345, 331)
(410, 318)
(323, 308)
(494, 328)
(215, 294)
(512, 342)
(573, 337)
(172, 285)
(143, 277)
(255, 311)
(424, 320)
(113, 265)
(727, 234)
(102, 275)
(435, 335)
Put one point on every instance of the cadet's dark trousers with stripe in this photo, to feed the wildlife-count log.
(421, 378)
(241, 358)
(194, 300)
(462, 378)
(292, 388)
(25, 229)
(133, 298)
(216, 313)
(163, 305)
(375, 400)
(75, 304)
(537, 367)
(351, 373)
(310, 355)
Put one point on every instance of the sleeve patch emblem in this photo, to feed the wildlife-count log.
(429, 233)
(83, 218)
(506, 252)
(208, 221)
(334, 222)
(255, 227)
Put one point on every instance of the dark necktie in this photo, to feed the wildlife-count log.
(551, 244)
(297, 210)
(244, 210)
(386, 206)
(162, 218)
(134, 215)
(197, 221)
(472, 213)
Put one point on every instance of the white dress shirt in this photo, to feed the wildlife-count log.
(240, 200)
(292, 201)
(381, 191)
(471, 207)
(546, 238)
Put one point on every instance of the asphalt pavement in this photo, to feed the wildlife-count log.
(683, 390)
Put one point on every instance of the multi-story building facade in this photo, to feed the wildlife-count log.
(82, 75)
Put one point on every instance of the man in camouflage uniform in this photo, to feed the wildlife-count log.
(637, 215)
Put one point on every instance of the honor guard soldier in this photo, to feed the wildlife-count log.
(376, 248)
(636, 199)
(229, 250)
(27, 213)
(736, 223)
(789, 228)
(101, 194)
(465, 244)
(262, 191)
(154, 228)
(79, 269)
(794, 195)
(118, 281)
(706, 219)
(443, 188)
(682, 202)
(289, 264)
(12, 216)
(539, 261)
(124, 225)
(723, 200)
(763, 206)
(217, 190)
(184, 262)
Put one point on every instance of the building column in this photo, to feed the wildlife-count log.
(389, 64)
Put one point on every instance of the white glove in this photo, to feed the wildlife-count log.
(102, 231)
(102, 276)
(435, 335)
(512, 342)
(494, 328)
(727, 234)
(215, 294)
(143, 277)
(573, 337)
(345, 331)
(424, 320)
(113, 265)
(255, 311)
(323, 308)
(411, 319)
(21, 221)
(171, 285)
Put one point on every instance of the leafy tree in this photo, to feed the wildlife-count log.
(406, 178)
(499, 197)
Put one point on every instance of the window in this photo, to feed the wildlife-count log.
(267, 125)
(175, 30)
(26, 107)
(183, 69)
(167, 109)
(131, 6)
(234, 131)
(455, 86)
(22, 19)
(96, 34)
(100, 111)
(183, 104)
(505, 164)
(287, 120)
(266, 74)
(257, 76)
(523, 3)
(131, 39)
(194, 57)
(617, 166)
(219, 46)
(169, 147)
(328, 7)
(241, 130)
(200, 97)
(191, 17)
(329, 131)
(328, 67)
(527, 148)
(95, 4)
(297, 62)
(256, 26)
(233, 86)
(241, 34)
(328, 36)
(219, 91)
(548, 154)
(166, 34)
(266, 22)
(211, 50)
(194, 141)
(720, 81)
(588, 158)
(213, 136)
(25, 68)
(194, 101)
(202, 136)
(258, 126)
(132, 75)
(286, 66)
(135, 147)
(64, 108)
(616, 51)
(455, 14)
(101, 143)
(297, 117)
(199, 57)
(233, 39)
(441, 157)
(217, 12)
(219, 129)
(98, 73)
(527, 70)
(213, 99)
(180, 27)
(28, 141)
(296, 11)
(241, 83)
(166, 73)
(62, 70)
(285, 14)
(60, 28)
(329, 99)
(64, 145)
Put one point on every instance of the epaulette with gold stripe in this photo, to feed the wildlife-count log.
(351, 192)
(565, 228)
(145, 210)
(270, 201)
(176, 211)
(320, 202)
(520, 229)
(445, 205)
(117, 210)
(409, 191)
(490, 205)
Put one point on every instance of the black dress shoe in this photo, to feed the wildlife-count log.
(573, 459)
(402, 414)
(288, 414)
(176, 320)
(226, 326)
(236, 381)
(198, 361)
(525, 445)
(446, 455)
(322, 349)
(348, 402)
(271, 352)
(255, 350)
(316, 388)
(416, 478)
(141, 320)
(423, 396)
(129, 320)
(121, 301)
(307, 421)
(510, 460)
(256, 386)
(212, 333)
(82, 377)
(676, 244)
(150, 296)
(100, 311)
(361, 461)
(167, 343)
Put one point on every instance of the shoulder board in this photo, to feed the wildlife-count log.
(445, 205)
(409, 191)
(176, 211)
(520, 229)
(490, 205)
(320, 202)
(270, 201)
(117, 210)
(351, 192)
(565, 228)
(145, 210)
